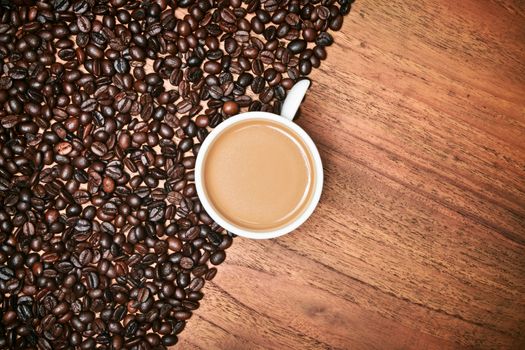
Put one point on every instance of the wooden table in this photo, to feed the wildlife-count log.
(419, 239)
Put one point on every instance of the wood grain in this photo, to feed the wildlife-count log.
(419, 238)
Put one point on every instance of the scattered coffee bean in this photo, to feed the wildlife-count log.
(230, 108)
(296, 46)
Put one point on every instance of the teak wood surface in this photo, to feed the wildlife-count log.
(419, 238)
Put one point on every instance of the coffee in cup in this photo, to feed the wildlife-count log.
(259, 175)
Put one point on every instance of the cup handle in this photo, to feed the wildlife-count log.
(294, 98)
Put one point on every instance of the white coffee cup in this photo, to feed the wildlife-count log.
(290, 106)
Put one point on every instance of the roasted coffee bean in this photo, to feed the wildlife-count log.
(320, 52)
(296, 46)
(257, 67)
(196, 284)
(216, 92)
(279, 92)
(336, 23)
(210, 274)
(218, 257)
(309, 34)
(243, 100)
(267, 95)
(324, 39)
(84, 24)
(245, 79)
(230, 108)
(305, 67)
(212, 67)
(169, 340)
(258, 85)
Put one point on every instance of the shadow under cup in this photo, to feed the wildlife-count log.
(258, 175)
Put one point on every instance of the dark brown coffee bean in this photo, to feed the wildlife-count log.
(323, 12)
(84, 24)
(292, 19)
(336, 23)
(230, 45)
(93, 51)
(245, 79)
(309, 34)
(99, 148)
(324, 39)
(305, 67)
(218, 257)
(210, 274)
(258, 84)
(257, 25)
(228, 15)
(143, 294)
(212, 67)
(85, 257)
(279, 92)
(169, 340)
(296, 46)
(196, 284)
(320, 52)
(267, 95)
(257, 67)
(186, 263)
(242, 36)
(315, 61)
(63, 148)
(283, 30)
(230, 108)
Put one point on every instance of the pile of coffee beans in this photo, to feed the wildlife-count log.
(103, 241)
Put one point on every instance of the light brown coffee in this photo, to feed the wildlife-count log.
(259, 175)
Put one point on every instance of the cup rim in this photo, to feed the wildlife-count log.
(318, 186)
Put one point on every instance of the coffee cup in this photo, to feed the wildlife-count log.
(258, 174)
